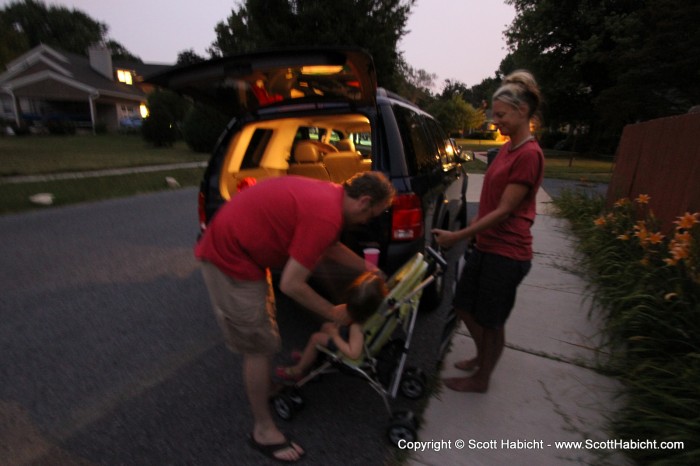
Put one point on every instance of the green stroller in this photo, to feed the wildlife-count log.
(387, 340)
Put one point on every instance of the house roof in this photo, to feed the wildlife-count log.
(40, 69)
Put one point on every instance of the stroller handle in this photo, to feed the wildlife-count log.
(440, 261)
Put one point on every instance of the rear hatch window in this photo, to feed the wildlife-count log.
(247, 83)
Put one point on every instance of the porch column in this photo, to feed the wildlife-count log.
(15, 105)
(91, 100)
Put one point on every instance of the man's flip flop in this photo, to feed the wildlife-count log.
(271, 449)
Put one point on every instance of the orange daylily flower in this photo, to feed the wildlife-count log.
(682, 238)
(679, 253)
(624, 237)
(656, 238)
(599, 222)
(641, 232)
(621, 202)
(643, 199)
(686, 221)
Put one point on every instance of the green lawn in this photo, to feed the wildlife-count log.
(33, 155)
(558, 164)
(30, 155)
(15, 197)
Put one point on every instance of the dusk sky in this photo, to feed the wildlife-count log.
(456, 39)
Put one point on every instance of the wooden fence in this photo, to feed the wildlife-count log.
(660, 158)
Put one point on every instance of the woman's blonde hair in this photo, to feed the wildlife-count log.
(520, 88)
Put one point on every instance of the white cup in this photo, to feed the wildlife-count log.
(371, 257)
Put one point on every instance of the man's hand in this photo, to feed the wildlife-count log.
(340, 313)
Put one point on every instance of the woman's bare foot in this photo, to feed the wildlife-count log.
(467, 365)
(466, 384)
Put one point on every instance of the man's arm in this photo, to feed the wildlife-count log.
(293, 283)
(344, 256)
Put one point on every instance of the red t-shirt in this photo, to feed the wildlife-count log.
(265, 224)
(511, 238)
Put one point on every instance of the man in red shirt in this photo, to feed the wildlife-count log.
(287, 223)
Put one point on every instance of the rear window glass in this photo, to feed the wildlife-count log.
(256, 148)
(417, 145)
(439, 139)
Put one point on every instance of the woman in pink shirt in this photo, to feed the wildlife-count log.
(502, 255)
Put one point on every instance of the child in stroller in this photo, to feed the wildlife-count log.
(386, 339)
(364, 297)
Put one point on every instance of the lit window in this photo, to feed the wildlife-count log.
(143, 110)
(124, 76)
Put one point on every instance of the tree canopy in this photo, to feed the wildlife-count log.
(376, 25)
(607, 63)
(26, 24)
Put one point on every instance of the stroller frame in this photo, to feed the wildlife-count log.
(399, 309)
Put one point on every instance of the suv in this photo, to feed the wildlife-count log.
(318, 113)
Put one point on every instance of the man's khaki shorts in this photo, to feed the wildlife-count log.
(245, 311)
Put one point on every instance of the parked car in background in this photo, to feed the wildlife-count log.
(130, 124)
(318, 113)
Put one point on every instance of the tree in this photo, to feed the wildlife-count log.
(71, 30)
(29, 23)
(376, 25)
(416, 84)
(188, 57)
(455, 115)
(607, 63)
(117, 50)
(12, 41)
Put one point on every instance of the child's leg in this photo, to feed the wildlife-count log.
(310, 353)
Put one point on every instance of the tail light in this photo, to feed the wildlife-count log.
(407, 218)
(246, 182)
(202, 213)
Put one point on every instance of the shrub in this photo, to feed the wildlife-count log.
(485, 135)
(166, 111)
(648, 285)
(549, 139)
(202, 128)
(60, 127)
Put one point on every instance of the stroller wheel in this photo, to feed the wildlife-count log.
(286, 405)
(295, 397)
(413, 383)
(405, 415)
(402, 428)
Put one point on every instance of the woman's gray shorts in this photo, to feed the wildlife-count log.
(488, 286)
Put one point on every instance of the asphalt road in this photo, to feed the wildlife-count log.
(109, 353)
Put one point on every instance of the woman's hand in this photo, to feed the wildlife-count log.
(445, 238)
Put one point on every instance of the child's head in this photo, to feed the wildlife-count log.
(364, 296)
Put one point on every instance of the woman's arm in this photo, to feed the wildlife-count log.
(512, 196)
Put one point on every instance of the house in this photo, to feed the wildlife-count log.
(48, 85)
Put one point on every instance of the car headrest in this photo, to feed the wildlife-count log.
(306, 152)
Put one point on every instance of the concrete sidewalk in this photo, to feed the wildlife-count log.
(541, 391)
(99, 173)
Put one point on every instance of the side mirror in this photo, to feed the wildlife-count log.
(466, 155)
